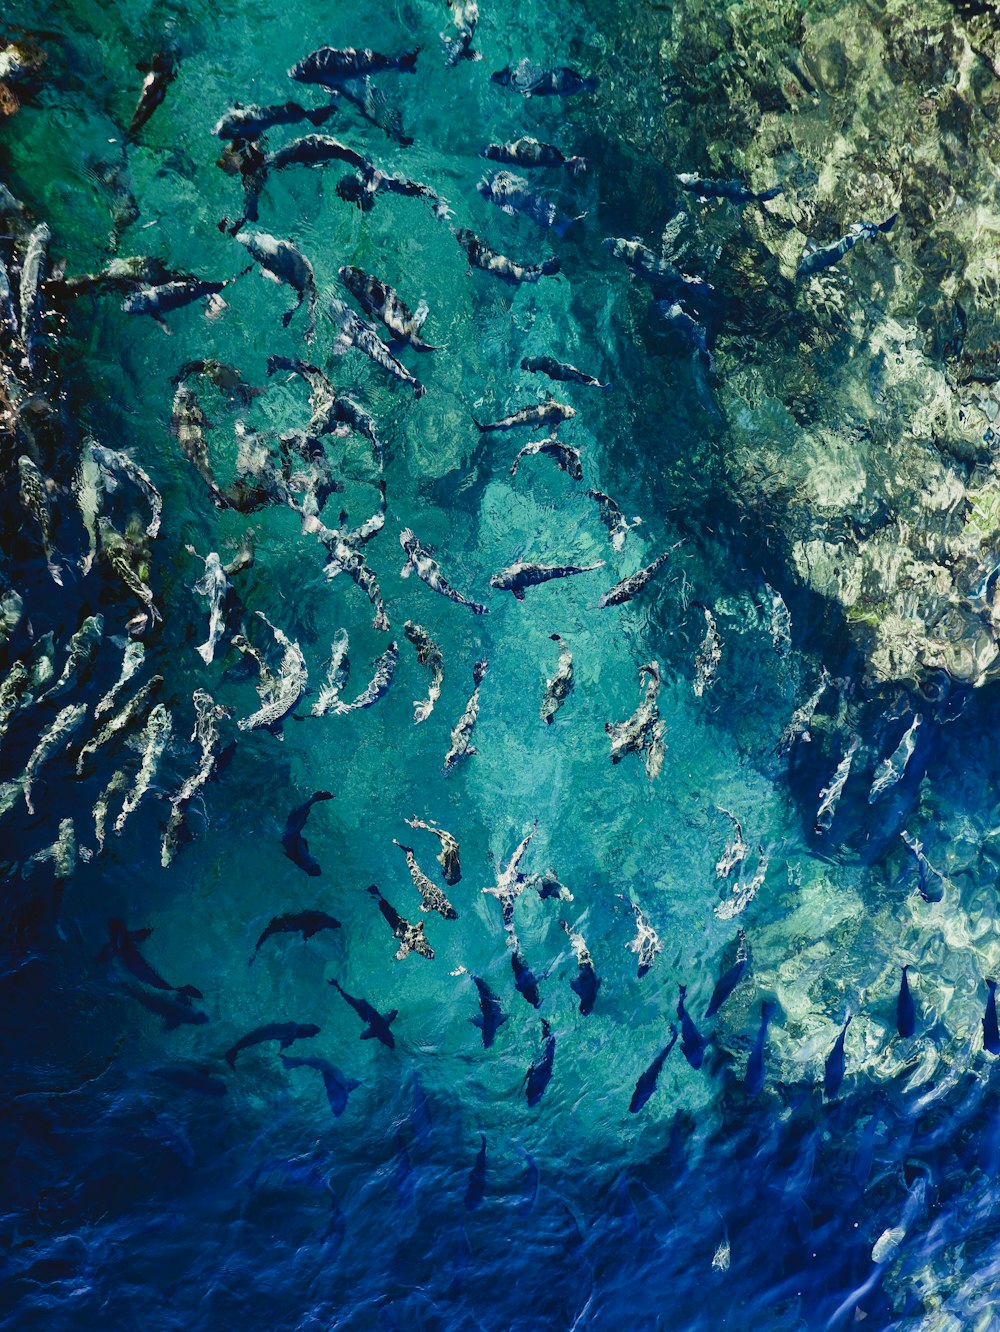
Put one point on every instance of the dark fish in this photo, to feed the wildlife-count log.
(549, 412)
(516, 578)
(250, 122)
(491, 261)
(733, 190)
(729, 980)
(666, 279)
(283, 1032)
(124, 945)
(352, 331)
(586, 983)
(866, 1147)
(529, 1193)
(991, 1035)
(190, 1079)
(476, 1187)
(633, 585)
(411, 937)
(834, 1074)
(164, 299)
(160, 73)
(562, 370)
(511, 194)
(527, 152)
(338, 1087)
(754, 1079)
(540, 1072)
(692, 1041)
(295, 846)
(565, 456)
(646, 1085)
(816, 260)
(676, 319)
(906, 1017)
(364, 187)
(380, 300)
(314, 150)
(306, 923)
(492, 1017)
(376, 1024)
(284, 262)
(332, 67)
(525, 981)
(175, 1012)
(465, 17)
(532, 80)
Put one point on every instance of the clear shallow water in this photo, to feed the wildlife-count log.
(131, 1202)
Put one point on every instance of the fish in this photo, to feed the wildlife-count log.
(930, 881)
(706, 663)
(510, 882)
(285, 1033)
(314, 150)
(815, 260)
(250, 122)
(116, 461)
(353, 331)
(382, 675)
(798, 724)
(692, 1042)
(647, 944)
(512, 194)
(560, 370)
(215, 586)
(892, 769)
(754, 1078)
(115, 786)
(642, 733)
(189, 424)
(539, 1073)
(284, 262)
(746, 890)
(55, 737)
(208, 714)
(428, 654)
(280, 694)
(120, 276)
(632, 585)
(527, 152)
(550, 412)
(448, 858)
(431, 896)
(991, 1034)
(730, 978)
(79, 656)
(646, 1085)
(781, 621)
(465, 18)
(476, 1187)
(518, 577)
(157, 301)
(376, 1024)
(121, 722)
(189, 1078)
(338, 1087)
(532, 80)
(586, 983)
(559, 688)
(160, 73)
(175, 1012)
(829, 797)
(411, 937)
(345, 555)
(906, 1014)
(666, 279)
(565, 457)
(31, 290)
(833, 1075)
(332, 67)
(330, 409)
(8, 314)
(152, 743)
(378, 299)
(508, 270)
(611, 516)
(736, 850)
(338, 673)
(461, 746)
(675, 319)
(34, 495)
(492, 1017)
(123, 944)
(529, 1193)
(306, 923)
(364, 187)
(525, 981)
(732, 190)
(15, 692)
(419, 560)
(294, 845)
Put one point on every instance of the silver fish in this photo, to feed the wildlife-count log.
(559, 688)
(646, 944)
(34, 269)
(611, 516)
(118, 553)
(461, 736)
(510, 882)
(87, 488)
(284, 262)
(432, 898)
(448, 859)
(352, 331)
(428, 654)
(15, 688)
(746, 890)
(61, 855)
(337, 674)
(664, 277)
(383, 671)
(55, 737)
(115, 787)
(80, 654)
(736, 849)
(643, 732)
(781, 621)
(891, 769)
(428, 570)
(215, 586)
(35, 498)
(152, 743)
(565, 457)
(189, 424)
(550, 413)
(706, 663)
(508, 270)
(518, 577)
(132, 660)
(114, 460)
(332, 66)
(121, 721)
(527, 152)
(512, 194)
(377, 298)
(208, 714)
(829, 797)
(632, 585)
(801, 719)
(280, 694)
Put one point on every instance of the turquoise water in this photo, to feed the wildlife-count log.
(130, 1201)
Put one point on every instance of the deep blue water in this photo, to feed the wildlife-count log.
(147, 1181)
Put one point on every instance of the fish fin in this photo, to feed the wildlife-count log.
(518, 593)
